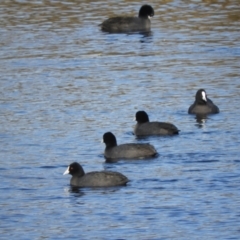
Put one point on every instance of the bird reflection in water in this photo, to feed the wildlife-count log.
(201, 120)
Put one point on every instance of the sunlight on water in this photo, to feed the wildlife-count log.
(64, 83)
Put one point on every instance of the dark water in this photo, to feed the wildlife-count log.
(64, 83)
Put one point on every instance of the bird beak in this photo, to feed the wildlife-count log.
(204, 97)
(66, 172)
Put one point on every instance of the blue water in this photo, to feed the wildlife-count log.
(64, 84)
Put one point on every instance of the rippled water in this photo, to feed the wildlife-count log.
(64, 83)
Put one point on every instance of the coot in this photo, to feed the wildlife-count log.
(144, 127)
(123, 24)
(94, 179)
(202, 105)
(127, 150)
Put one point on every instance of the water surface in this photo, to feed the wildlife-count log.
(64, 83)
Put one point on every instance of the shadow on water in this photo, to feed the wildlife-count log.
(132, 160)
(77, 192)
(201, 120)
(80, 192)
(147, 37)
(142, 37)
(145, 34)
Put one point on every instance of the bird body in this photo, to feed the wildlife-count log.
(202, 104)
(94, 179)
(144, 127)
(124, 24)
(155, 128)
(127, 150)
(131, 151)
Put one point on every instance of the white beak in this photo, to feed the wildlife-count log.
(66, 172)
(204, 97)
